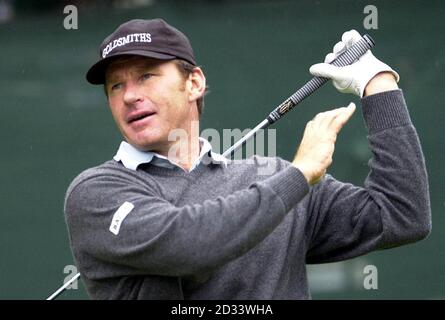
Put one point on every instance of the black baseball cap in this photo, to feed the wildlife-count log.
(148, 38)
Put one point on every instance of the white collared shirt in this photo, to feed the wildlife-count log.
(132, 157)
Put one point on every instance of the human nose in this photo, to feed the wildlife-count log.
(131, 94)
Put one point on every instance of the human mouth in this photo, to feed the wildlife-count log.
(139, 116)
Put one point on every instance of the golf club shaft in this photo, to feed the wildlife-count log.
(346, 58)
(63, 288)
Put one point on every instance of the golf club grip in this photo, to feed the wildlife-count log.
(346, 58)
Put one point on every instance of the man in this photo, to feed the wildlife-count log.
(171, 219)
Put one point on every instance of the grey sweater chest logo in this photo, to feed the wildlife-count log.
(119, 216)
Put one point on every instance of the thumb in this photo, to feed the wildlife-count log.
(325, 70)
(341, 119)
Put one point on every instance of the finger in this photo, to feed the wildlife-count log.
(324, 70)
(339, 47)
(324, 119)
(340, 120)
(308, 126)
(327, 114)
(330, 57)
(350, 37)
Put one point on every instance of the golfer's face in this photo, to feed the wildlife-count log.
(148, 99)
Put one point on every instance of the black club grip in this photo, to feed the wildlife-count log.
(346, 58)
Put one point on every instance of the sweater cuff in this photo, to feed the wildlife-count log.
(385, 110)
(290, 185)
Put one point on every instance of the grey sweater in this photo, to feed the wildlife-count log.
(232, 233)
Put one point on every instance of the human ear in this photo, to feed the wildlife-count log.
(196, 84)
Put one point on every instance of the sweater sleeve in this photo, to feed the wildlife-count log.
(159, 238)
(393, 207)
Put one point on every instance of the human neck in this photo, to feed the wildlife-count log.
(185, 152)
(185, 147)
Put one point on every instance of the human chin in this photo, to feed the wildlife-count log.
(145, 140)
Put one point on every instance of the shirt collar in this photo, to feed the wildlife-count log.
(132, 157)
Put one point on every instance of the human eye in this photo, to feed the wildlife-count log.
(146, 76)
(116, 86)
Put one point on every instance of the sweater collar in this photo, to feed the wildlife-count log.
(132, 157)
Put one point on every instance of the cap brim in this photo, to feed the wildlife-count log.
(96, 74)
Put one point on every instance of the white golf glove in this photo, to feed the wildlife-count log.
(355, 77)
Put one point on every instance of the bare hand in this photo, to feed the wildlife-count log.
(315, 152)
